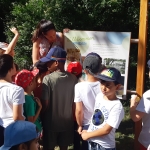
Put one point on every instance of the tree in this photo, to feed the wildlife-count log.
(104, 15)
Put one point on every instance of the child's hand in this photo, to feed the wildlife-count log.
(134, 100)
(38, 102)
(14, 30)
(79, 130)
(84, 135)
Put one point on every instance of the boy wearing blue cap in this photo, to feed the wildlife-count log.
(57, 99)
(20, 135)
(108, 113)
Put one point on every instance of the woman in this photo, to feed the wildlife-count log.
(44, 38)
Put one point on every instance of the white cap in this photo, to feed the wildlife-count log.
(3, 46)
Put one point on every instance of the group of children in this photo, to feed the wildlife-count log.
(62, 106)
(98, 112)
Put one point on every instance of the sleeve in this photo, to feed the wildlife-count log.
(116, 115)
(45, 94)
(77, 97)
(144, 104)
(18, 96)
(29, 107)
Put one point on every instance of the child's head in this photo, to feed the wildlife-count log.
(110, 79)
(92, 63)
(20, 135)
(27, 79)
(55, 59)
(7, 66)
(42, 66)
(75, 68)
(3, 47)
(43, 70)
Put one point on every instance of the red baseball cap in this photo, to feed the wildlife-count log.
(74, 68)
(24, 77)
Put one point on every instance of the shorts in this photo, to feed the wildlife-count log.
(1, 135)
(61, 139)
(96, 146)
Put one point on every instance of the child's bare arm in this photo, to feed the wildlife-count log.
(106, 129)
(79, 115)
(13, 42)
(135, 114)
(34, 118)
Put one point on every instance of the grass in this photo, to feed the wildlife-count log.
(124, 134)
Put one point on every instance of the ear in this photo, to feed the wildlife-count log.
(22, 147)
(85, 71)
(56, 63)
(118, 86)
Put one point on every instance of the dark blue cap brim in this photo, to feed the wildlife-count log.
(105, 78)
(45, 59)
(4, 148)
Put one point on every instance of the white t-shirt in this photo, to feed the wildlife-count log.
(144, 106)
(106, 111)
(10, 94)
(86, 93)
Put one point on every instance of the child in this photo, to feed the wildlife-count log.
(11, 95)
(27, 80)
(85, 93)
(57, 99)
(43, 70)
(76, 69)
(23, 136)
(108, 113)
(140, 110)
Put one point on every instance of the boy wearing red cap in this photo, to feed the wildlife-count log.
(76, 69)
(27, 80)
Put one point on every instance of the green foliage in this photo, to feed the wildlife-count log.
(25, 18)
(96, 15)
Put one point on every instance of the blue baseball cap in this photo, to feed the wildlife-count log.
(17, 133)
(110, 74)
(55, 53)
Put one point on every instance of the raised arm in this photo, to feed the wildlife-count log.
(12, 44)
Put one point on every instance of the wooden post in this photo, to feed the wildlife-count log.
(141, 61)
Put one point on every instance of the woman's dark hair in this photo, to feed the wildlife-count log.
(42, 28)
(28, 143)
(6, 64)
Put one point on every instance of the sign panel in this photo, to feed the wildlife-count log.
(113, 47)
